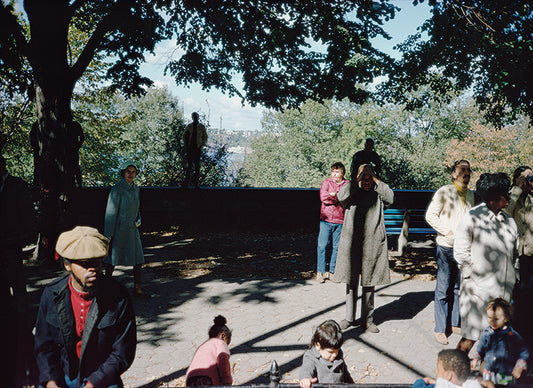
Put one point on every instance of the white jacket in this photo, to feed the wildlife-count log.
(445, 211)
(486, 248)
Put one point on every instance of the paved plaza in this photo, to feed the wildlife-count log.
(274, 320)
(271, 320)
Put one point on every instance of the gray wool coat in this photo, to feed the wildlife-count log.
(363, 242)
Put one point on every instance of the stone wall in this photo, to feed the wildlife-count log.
(219, 208)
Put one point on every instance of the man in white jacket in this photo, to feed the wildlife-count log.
(448, 205)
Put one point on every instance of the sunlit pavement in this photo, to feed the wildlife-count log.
(274, 320)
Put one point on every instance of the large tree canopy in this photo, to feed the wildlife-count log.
(485, 45)
(286, 51)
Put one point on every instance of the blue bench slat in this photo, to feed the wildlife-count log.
(417, 222)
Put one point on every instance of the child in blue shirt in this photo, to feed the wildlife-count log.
(323, 362)
(504, 351)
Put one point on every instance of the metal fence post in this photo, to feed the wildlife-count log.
(274, 375)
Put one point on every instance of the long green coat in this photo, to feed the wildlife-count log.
(363, 243)
(122, 219)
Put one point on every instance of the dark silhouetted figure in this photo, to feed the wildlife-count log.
(194, 138)
(366, 156)
(15, 231)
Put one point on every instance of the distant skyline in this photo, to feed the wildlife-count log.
(221, 109)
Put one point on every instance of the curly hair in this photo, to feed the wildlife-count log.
(456, 361)
(491, 187)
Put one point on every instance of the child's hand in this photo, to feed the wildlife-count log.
(307, 382)
(473, 363)
(487, 384)
(429, 380)
(517, 372)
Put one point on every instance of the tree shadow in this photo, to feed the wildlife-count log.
(181, 267)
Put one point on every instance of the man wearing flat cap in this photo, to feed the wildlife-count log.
(85, 334)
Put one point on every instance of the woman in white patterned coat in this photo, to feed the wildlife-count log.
(485, 249)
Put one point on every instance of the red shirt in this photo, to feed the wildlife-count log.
(330, 209)
(81, 301)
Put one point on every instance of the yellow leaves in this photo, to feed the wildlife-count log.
(489, 149)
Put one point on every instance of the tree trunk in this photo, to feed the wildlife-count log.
(56, 170)
(54, 84)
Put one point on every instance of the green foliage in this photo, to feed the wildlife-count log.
(482, 45)
(299, 146)
(103, 121)
(15, 125)
(286, 51)
(146, 130)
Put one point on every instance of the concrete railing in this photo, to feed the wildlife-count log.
(221, 207)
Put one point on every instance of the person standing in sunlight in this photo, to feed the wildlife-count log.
(448, 205)
(486, 249)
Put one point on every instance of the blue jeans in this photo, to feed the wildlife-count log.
(446, 291)
(72, 383)
(328, 231)
(420, 383)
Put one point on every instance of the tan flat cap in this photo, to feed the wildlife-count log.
(82, 243)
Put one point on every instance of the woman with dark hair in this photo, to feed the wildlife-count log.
(521, 208)
(485, 249)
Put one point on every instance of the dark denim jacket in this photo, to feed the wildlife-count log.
(501, 349)
(109, 338)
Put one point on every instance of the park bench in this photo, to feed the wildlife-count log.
(405, 222)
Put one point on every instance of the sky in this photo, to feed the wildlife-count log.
(221, 111)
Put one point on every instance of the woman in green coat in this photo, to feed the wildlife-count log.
(363, 251)
(122, 221)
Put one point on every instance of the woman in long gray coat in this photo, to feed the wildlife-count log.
(122, 221)
(363, 248)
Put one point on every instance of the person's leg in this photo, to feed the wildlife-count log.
(455, 281)
(196, 160)
(137, 281)
(336, 230)
(465, 345)
(188, 168)
(523, 311)
(367, 310)
(351, 305)
(323, 240)
(441, 299)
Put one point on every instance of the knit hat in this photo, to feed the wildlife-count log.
(128, 163)
(82, 243)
